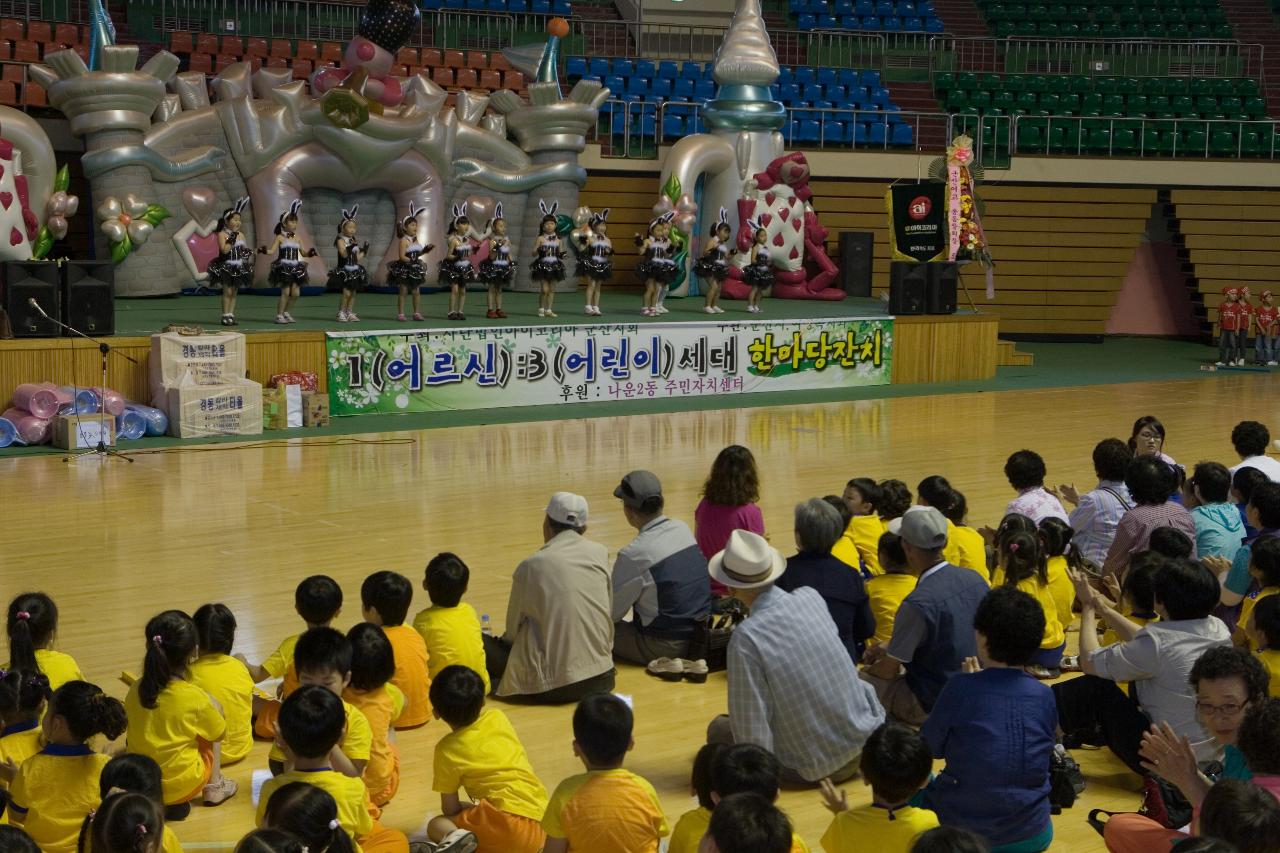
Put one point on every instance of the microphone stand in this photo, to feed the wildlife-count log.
(100, 450)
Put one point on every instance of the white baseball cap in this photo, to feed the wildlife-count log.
(568, 508)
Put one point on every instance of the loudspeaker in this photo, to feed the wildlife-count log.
(940, 298)
(908, 282)
(27, 280)
(856, 254)
(88, 297)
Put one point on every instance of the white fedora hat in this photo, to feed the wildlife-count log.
(748, 561)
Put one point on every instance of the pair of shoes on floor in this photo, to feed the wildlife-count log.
(215, 794)
(228, 319)
(457, 315)
(491, 314)
(674, 669)
(1044, 673)
(458, 841)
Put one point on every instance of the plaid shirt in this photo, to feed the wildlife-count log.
(1134, 532)
(1096, 518)
(793, 689)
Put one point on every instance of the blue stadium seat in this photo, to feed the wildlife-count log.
(660, 87)
(812, 92)
(637, 86)
(902, 135)
(668, 70)
(682, 90)
(869, 22)
(562, 8)
(858, 96)
(495, 5)
(538, 7)
(598, 67)
(913, 25)
(704, 90)
(618, 122)
(624, 67)
(878, 133)
(847, 77)
(838, 95)
(672, 126)
(806, 74)
(933, 25)
(849, 22)
(520, 6)
(786, 75)
(645, 68)
(806, 22)
(860, 133)
(827, 76)
(842, 7)
(864, 8)
(868, 78)
(575, 66)
(616, 85)
(905, 9)
(891, 24)
(884, 8)
(807, 131)
(880, 95)
(648, 125)
(788, 93)
(827, 22)
(691, 70)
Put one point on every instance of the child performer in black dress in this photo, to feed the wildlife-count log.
(596, 264)
(759, 273)
(288, 270)
(456, 268)
(231, 270)
(548, 264)
(350, 273)
(408, 273)
(713, 266)
(658, 268)
(497, 270)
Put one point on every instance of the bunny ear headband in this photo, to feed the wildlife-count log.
(414, 213)
(548, 211)
(754, 225)
(292, 211)
(666, 217)
(602, 216)
(459, 212)
(350, 215)
(238, 207)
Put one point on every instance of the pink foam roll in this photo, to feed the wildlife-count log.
(31, 429)
(112, 401)
(64, 394)
(38, 400)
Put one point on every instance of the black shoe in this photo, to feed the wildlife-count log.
(179, 812)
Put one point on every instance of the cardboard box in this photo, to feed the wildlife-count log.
(195, 360)
(234, 408)
(274, 410)
(79, 432)
(315, 409)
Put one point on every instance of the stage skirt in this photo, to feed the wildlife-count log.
(456, 274)
(758, 275)
(349, 278)
(594, 270)
(406, 273)
(496, 275)
(224, 274)
(711, 268)
(661, 273)
(288, 274)
(547, 269)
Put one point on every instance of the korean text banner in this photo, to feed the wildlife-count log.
(443, 370)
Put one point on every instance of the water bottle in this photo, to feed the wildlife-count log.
(485, 627)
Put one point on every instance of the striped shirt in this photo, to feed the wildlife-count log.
(1096, 518)
(1134, 532)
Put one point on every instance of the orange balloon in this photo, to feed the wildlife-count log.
(558, 27)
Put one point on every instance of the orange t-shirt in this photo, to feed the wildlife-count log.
(382, 773)
(411, 675)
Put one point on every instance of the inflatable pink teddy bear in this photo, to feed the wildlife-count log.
(385, 27)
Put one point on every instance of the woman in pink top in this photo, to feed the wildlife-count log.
(728, 503)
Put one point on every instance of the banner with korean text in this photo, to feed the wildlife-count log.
(437, 370)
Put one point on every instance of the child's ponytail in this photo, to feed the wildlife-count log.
(310, 814)
(1022, 558)
(88, 711)
(32, 621)
(22, 693)
(123, 823)
(171, 640)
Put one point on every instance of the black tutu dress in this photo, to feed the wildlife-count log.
(411, 273)
(714, 264)
(498, 269)
(289, 269)
(548, 266)
(597, 265)
(458, 270)
(759, 273)
(658, 263)
(350, 275)
(234, 269)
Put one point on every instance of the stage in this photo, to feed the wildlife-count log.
(924, 349)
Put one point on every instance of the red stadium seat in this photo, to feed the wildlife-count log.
(277, 62)
(307, 50)
(331, 53)
(12, 30)
(13, 73)
(466, 78)
(67, 34)
(33, 95)
(478, 59)
(432, 57)
(181, 43)
(201, 62)
(256, 47)
(6, 50)
(232, 46)
(491, 79)
(282, 48)
(513, 80)
(407, 56)
(40, 32)
(207, 43)
(454, 59)
(302, 69)
(442, 76)
(498, 62)
(26, 51)
(223, 61)
(8, 93)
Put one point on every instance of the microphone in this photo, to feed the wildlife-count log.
(36, 305)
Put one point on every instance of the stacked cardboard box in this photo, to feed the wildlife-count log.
(200, 383)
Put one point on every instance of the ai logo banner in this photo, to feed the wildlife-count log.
(436, 370)
(916, 214)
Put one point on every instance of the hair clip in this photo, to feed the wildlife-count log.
(22, 616)
(1013, 548)
(333, 824)
(142, 829)
(158, 640)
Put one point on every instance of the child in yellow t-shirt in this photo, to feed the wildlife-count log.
(1137, 602)
(748, 823)
(483, 755)
(138, 774)
(606, 808)
(1021, 564)
(311, 724)
(33, 624)
(886, 591)
(322, 657)
(385, 597)
(371, 691)
(857, 547)
(57, 787)
(1265, 632)
(449, 627)
(125, 822)
(896, 763)
(224, 678)
(318, 600)
(175, 722)
(745, 768)
(22, 702)
(300, 817)
(965, 546)
(1055, 540)
(1264, 567)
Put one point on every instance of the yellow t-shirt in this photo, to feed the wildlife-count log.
(886, 593)
(1271, 660)
(860, 544)
(231, 686)
(1110, 637)
(1064, 594)
(692, 825)
(169, 733)
(452, 635)
(1246, 610)
(58, 667)
(602, 811)
(56, 788)
(169, 842)
(380, 707)
(966, 549)
(280, 665)
(1054, 635)
(348, 793)
(870, 828)
(411, 675)
(487, 759)
(18, 743)
(357, 743)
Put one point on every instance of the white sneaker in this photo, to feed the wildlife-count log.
(668, 669)
(1271, 364)
(352, 318)
(542, 312)
(708, 310)
(280, 320)
(597, 311)
(458, 841)
(719, 310)
(1239, 362)
(660, 309)
(342, 317)
(288, 318)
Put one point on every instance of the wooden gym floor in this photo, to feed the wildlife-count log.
(115, 543)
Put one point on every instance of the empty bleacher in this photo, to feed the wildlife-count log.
(890, 16)
(1174, 19)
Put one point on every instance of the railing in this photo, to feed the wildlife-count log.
(1098, 57)
(624, 129)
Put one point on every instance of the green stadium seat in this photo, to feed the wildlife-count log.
(1157, 104)
(1069, 103)
(1136, 105)
(1050, 101)
(1035, 83)
(1080, 84)
(1002, 100)
(1231, 104)
(1106, 85)
(1223, 86)
(1200, 86)
(944, 82)
(1091, 102)
(1048, 29)
(1027, 101)
(1015, 83)
(1177, 86)
(1194, 143)
(1058, 84)
(1150, 142)
(967, 81)
(1030, 138)
(1222, 143)
(1154, 86)
(990, 82)
(1124, 141)
(1247, 88)
(1207, 104)
(1255, 107)
(957, 100)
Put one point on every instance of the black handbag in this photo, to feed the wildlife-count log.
(710, 640)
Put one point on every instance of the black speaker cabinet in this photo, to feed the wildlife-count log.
(908, 284)
(940, 298)
(856, 251)
(23, 282)
(88, 297)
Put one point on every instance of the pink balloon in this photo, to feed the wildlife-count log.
(201, 203)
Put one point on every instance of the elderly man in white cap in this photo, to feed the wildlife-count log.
(933, 630)
(793, 689)
(558, 645)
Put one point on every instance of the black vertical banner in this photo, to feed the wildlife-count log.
(917, 217)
